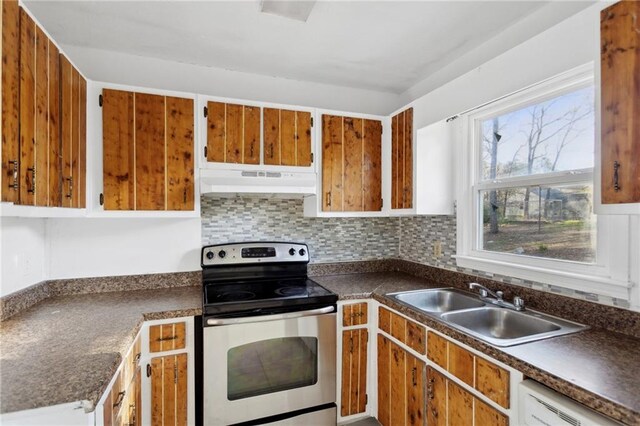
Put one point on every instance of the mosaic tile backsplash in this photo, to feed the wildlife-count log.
(351, 239)
(329, 239)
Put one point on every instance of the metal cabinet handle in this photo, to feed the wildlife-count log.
(70, 180)
(328, 198)
(15, 165)
(32, 190)
(271, 151)
(264, 318)
(164, 339)
(414, 370)
(616, 183)
(119, 400)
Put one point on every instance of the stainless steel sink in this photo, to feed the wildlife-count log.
(504, 327)
(496, 325)
(438, 300)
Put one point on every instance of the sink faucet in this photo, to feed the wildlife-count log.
(489, 296)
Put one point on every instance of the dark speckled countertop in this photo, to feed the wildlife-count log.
(67, 348)
(598, 368)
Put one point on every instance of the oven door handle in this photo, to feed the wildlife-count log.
(277, 317)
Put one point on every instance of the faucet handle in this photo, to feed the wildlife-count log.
(518, 302)
(499, 294)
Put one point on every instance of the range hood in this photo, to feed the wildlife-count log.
(280, 184)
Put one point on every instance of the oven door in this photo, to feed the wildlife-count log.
(264, 366)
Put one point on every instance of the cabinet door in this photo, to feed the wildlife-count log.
(233, 133)
(459, 405)
(384, 382)
(10, 94)
(620, 85)
(398, 383)
(148, 161)
(332, 135)
(402, 160)
(351, 164)
(415, 390)
(118, 150)
(180, 168)
(436, 398)
(169, 390)
(150, 151)
(27, 109)
(372, 165)
(287, 137)
(73, 125)
(354, 372)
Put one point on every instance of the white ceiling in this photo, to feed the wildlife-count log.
(385, 46)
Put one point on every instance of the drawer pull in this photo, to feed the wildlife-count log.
(616, 183)
(119, 400)
(14, 174)
(164, 339)
(136, 358)
(32, 189)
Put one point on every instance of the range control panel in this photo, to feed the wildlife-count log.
(243, 253)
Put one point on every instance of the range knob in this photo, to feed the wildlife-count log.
(302, 252)
(210, 255)
(222, 254)
(292, 251)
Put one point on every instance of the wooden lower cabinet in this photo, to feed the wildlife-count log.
(169, 390)
(353, 399)
(450, 404)
(400, 385)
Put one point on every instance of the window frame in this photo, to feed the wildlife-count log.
(608, 276)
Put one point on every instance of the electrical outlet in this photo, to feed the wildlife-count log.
(437, 249)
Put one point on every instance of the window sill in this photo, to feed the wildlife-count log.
(603, 286)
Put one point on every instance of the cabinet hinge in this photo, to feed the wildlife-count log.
(205, 152)
(206, 111)
(311, 121)
(100, 100)
(148, 370)
(312, 158)
(101, 199)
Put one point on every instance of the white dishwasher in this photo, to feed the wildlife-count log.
(541, 406)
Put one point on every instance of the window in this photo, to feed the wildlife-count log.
(525, 199)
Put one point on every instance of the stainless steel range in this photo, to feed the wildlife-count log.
(269, 337)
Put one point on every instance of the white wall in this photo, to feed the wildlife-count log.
(23, 255)
(122, 68)
(81, 248)
(571, 43)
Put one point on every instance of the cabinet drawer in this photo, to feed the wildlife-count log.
(408, 332)
(354, 314)
(437, 349)
(483, 375)
(167, 337)
(492, 381)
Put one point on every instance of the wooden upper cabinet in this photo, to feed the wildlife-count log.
(148, 159)
(38, 120)
(73, 95)
(620, 85)
(287, 137)
(10, 100)
(402, 160)
(351, 164)
(233, 133)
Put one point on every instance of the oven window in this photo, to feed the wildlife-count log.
(272, 365)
